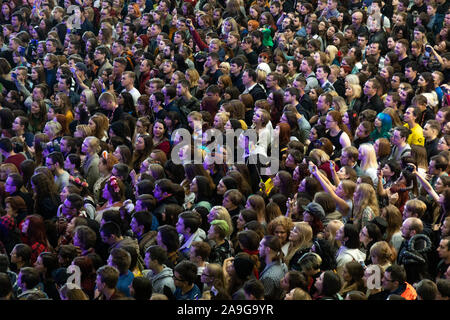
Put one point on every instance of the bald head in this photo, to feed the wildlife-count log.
(411, 226)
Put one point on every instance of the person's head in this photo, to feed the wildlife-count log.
(426, 290)
(120, 259)
(437, 165)
(348, 234)
(444, 248)
(297, 294)
(28, 278)
(141, 288)
(431, 130)
(399, 136)
(270, 248)
(185, 274)
(353, 272)
(301, 234)
(254, 289)
(414, 208)
(443, 286)
(394, 276)
(328, 284)
(167, 238)
(281, 227)
(410, 227)
(155, 256)
(110, 233)
(188, 222)
(21, 255)
(232, 199)
(114, 189)
(349, 156)
(381, 253)
(141, 222)
(219, 230)
(107, 278)
(46, 263)
(6, 289)
(199, 252)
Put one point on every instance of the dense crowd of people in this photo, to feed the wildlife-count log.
(104, 197)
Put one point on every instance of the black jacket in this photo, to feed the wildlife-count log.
(431, 147)
(375, 103)
(258, 93)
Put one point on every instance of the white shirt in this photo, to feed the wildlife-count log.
(134, 93)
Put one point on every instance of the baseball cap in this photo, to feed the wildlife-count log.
(81, 66)
(315, 209)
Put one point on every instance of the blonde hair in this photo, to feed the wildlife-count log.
(90, 98)
(223, 116)
(261, 75)
(352, 79)
(305, 241)
(222, 213)
(356, 91)
(94, 143)
(84, 129)
(193, 77)
(225, 65)
(333, 226)
(367, 199)
(54, 126)
(369, 159)
(340, 104)
(195, 115)
(300, 294)
(331, 51)
(320, 155)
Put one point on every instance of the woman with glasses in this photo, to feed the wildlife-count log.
(281, 227)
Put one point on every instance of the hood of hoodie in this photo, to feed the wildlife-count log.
(165, 273)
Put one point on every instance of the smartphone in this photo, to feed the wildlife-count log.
(331, 165)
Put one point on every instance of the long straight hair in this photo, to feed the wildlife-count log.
(369, 159)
